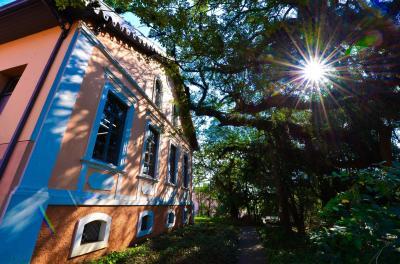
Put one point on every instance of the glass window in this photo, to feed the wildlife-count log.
(91, 232)
(158, 93)
(109, 137)
(8, 81)
(172, 164)
(174, 115)
(185, 170)
(171, 218)
(150, 154)
(145, 223)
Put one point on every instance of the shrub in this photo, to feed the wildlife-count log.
(362, 224)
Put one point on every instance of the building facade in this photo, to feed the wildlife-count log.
(94, 154)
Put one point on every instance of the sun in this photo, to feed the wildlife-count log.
(315, 71)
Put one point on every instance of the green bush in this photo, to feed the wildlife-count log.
(362, 224)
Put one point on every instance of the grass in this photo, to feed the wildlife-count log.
(282, 248)
(208, 241)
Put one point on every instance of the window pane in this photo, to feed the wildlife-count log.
(145, 223)
(6, 91)
(174, 115)
(149, 165)
(172, 164)
(109, 137)
(171, 217)
(91, 232)
(185, 171)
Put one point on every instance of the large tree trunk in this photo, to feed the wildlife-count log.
(297, 213)
(282, 196)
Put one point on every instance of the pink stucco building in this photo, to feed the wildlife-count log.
(95, 143)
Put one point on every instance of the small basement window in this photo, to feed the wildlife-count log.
(8, 81)
(170, 219)
(91, 234)
(145, 223)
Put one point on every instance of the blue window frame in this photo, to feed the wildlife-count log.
(111, 129)
(151, 152)
(145, 223)
(110, 133)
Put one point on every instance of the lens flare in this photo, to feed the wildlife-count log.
(314, 71)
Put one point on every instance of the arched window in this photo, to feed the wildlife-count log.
(145, 223)
(170, 218)
(91, 234)
(157, 93)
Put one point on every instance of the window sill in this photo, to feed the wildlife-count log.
(103, 166)
(148, 178)
(170, 225)
(88, 248)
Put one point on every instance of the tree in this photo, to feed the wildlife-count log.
(252, 63)
(242, 63)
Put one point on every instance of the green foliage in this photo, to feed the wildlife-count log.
(208, 241)
(362, 224)
(287, 248)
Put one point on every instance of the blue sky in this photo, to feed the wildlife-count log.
(4, 2)
(135, 22)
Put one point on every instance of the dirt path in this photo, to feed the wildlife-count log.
(251, 250)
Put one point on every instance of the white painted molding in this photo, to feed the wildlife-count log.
(77, 249)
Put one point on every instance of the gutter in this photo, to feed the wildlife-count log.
(21, 124)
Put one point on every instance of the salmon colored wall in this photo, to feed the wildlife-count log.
(55, 248)
(68, 166)
(34, 51)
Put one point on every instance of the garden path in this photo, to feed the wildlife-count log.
(251, 250)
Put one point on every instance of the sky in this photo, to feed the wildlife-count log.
(4, 2)
(135, 22)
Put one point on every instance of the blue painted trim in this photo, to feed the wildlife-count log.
(53, 89)
(100, 181)
(31, 197)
